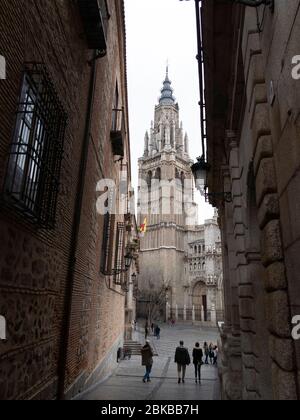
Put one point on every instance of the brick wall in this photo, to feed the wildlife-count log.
(34, 263)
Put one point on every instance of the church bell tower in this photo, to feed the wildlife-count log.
(166, 201)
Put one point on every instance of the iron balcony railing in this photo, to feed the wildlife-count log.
(95, 17)
(118, 132)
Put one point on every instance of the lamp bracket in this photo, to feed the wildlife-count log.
(224, 196)
(256, 3)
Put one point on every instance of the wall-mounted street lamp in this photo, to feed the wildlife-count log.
(255, 3)
(128, 258)
(200, 171)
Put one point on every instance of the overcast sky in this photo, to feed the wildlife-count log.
(159, 31)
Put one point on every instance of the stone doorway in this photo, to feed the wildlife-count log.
(200, 301)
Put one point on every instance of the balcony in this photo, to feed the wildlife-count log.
(95, 18)
(117, 133)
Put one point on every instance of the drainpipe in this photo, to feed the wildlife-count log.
(200, 58)
(63, 353)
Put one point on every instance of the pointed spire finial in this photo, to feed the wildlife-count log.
(167, 97)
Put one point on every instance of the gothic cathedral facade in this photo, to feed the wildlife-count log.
(170, 286)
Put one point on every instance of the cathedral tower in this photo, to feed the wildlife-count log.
(166, 200)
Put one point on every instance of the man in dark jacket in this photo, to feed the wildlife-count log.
(147, 360)
(182, 358)
(157, 332)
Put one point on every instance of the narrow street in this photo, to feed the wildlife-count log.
(149, 170)
(126, 382)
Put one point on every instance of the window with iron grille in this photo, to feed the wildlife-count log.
(119, 254)
(107, 244)
(114, 125)
(33, 171)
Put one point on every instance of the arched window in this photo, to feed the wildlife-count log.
(158, 174)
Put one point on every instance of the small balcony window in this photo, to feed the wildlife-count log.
(95, 17)
(117, 134)
(33, 172)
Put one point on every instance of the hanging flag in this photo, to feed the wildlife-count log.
(143, 228)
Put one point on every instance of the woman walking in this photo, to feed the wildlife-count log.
(206, 352)
(198, 362)
(147, 360)
(211, 353)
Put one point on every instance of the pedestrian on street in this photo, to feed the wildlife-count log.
(146, 331)
(147, 360)
(157, 332)
(216, 352)
(198, 362)
(182, 358)
(206, 352)
(152, 328)
(211, 353)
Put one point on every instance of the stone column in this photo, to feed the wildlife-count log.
(213, 315)
(202, 314)
(168, 137)
(168, 311)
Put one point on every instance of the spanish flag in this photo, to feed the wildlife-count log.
(143, 228)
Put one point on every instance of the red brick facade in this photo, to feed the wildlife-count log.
(34, 263)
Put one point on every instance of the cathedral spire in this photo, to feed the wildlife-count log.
(186, 144)
(146, 148)
(167, 97)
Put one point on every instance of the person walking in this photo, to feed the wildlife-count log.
(152, 328)
(198, 362)
(147, 360)
(211, 353)
(146, 331)
(216, 352)
(182, 358)
(206, 353)
(157, 332)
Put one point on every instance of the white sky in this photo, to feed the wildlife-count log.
(157, 31)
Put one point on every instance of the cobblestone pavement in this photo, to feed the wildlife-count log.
(126, 383)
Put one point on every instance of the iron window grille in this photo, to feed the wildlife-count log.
(107, 244)
(34, 164)
(119, 254)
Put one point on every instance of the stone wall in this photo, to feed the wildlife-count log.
(259, 228)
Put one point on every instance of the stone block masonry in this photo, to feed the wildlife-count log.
(260, 228)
